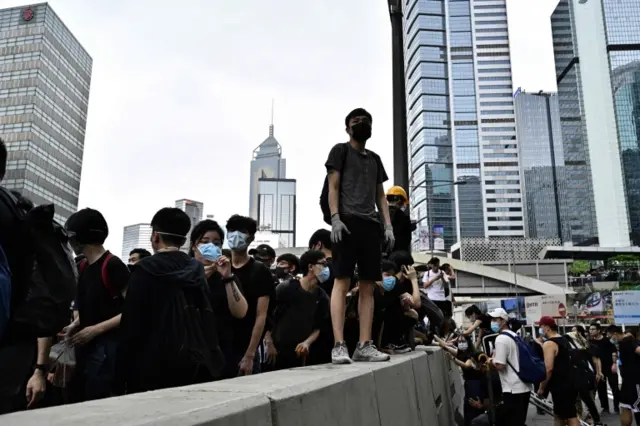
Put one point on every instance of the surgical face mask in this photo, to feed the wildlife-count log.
(237, 241)
(495, 327)
(463, 346)
(388, 283)
(324, 274)
(613, 341)
(281, 272)
(361, 131)
(210, 251)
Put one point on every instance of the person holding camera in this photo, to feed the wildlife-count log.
(436, 285)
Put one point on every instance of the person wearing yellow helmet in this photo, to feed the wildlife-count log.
(400, 220)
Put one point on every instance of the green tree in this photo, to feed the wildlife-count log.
(579, 267)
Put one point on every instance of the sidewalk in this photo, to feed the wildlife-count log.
(534, 419)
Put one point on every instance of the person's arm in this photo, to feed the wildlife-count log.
(453, 351)
(382, 204)
(501, 352)
(428, 283)
(246, 364)
(550, 350)
(37, 384)
(238, 305)
(471, 329)
(303, 347)
(412, 275)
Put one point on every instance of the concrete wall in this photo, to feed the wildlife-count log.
(417, 389)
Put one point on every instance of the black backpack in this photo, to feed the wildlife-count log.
(42, 308)
(191, 340)
(324, 196)
(582, 377)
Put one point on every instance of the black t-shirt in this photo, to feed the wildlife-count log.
(561, 376)
(604, 350)
(94, 302)
(486, 322)
(298, 313)
(327, 286)
(469, 373)
(256, 281)
(630, 360)
(390, 300)
(220, 306)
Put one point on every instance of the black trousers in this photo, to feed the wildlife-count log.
(515, 407)
(585, 396)
(602, 390)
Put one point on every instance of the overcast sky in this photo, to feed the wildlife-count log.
(181, 94)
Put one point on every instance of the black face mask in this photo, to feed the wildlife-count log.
(281, 272)
(361, 132)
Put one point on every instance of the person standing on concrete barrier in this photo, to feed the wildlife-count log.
(506, 357)
(355, 178)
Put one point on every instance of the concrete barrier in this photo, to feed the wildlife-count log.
(421, 388)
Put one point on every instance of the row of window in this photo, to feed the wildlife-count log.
(496, 111)
(64, 80)
(82, 79)
(16, 92)
(503, 191)
(69, 42)
(75, 158)
(498, 129)
(493, 70)
(494, 78)
(16, 110)
(17, 75)
(43, 174)
(45, 156)
(504, 200)
(20, 41)
(47, 195)
(506, 228)
(500, 146)
(504, 209)
(15, 128)
(75, 123)
(500, 155)
(77, 104)
(502, 182)
(19, 57)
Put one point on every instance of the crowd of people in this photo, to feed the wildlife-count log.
(504, 373)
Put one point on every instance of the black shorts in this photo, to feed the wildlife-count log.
(361, 247)
(630, 396)
(445, 307)
(564, 403)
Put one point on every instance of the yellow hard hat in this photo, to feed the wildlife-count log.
(398, 191)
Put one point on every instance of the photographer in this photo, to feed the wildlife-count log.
(437, 287)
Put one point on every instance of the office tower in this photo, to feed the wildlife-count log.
(461, 119)
(45, 76)
(273, 196)
(193, 209)
(596, 54)
(542, 163)
(136, 236)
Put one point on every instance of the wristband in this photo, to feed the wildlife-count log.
(42, 367)
(229, 279)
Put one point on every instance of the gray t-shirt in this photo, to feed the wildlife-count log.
(359, 182)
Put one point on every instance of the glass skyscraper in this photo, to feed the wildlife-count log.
(136, 236)
(596, 52)
(195, 211)
(45, 75)
(461, 122)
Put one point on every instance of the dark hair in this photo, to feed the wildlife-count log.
(202, 228)
(401, 258)
(3, 159)
(321, 236)
(291, 259)
(171, 220)
(434, 261)
(614, 329)
(581, 330)
(389, 267)
(142, 253)
(357, 113)
(242, 223)
(310, 258)
(596, 325)
(87, 226)
(227, 253)
(445, 267)
(471, 310)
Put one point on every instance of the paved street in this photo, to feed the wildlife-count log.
(535, 419)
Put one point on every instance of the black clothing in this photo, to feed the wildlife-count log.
(361, 247)
(446, 307)
(485, 324)
(514, 409)
(147, 318)
(93, 301)
(220, 305)
(629, 360)
(562, 386)
(363, 172)
(402, 228)
(604, 349)
(388, 311)
(469, 373)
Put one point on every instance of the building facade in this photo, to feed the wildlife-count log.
(195, 211)
(136, 236)
(541, 163)
(267, 163)
(45, 76)
(594, 51)
(277, 209)
(461, 122)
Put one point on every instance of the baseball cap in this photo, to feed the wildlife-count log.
(499, 313)
(263, 251)
(548, 321)
(87, 226)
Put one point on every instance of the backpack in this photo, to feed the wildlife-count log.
(324, 196)
(531, 368)
(582, 376)
(191, 340)
(43, 309)
(5, 292)
(115, 294)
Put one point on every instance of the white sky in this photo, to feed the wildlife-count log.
(181, 94)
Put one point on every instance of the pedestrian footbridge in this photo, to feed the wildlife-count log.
(418, 389)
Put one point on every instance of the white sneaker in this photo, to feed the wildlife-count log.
(340, 354)
(367, 352)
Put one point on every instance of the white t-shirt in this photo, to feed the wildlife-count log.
(506, 349)
(436, 290)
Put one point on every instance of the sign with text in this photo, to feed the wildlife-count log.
(552, 305)
(626, 307)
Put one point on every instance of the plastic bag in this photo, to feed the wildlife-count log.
(63, 360)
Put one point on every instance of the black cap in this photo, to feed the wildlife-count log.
(263, 251)
(88, 226)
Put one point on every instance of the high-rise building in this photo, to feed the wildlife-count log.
(136, 236)
(273, 196)
(193, 209)
(596, 54)
(45, 76)
(461, 122)
(542, 163)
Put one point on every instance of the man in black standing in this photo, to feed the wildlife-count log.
(608, 354)
(355, 178)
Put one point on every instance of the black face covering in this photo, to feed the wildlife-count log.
(361, 132)
(281, 272)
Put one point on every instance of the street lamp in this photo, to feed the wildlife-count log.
(400, 149)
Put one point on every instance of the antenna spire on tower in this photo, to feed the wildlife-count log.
(271, 125)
